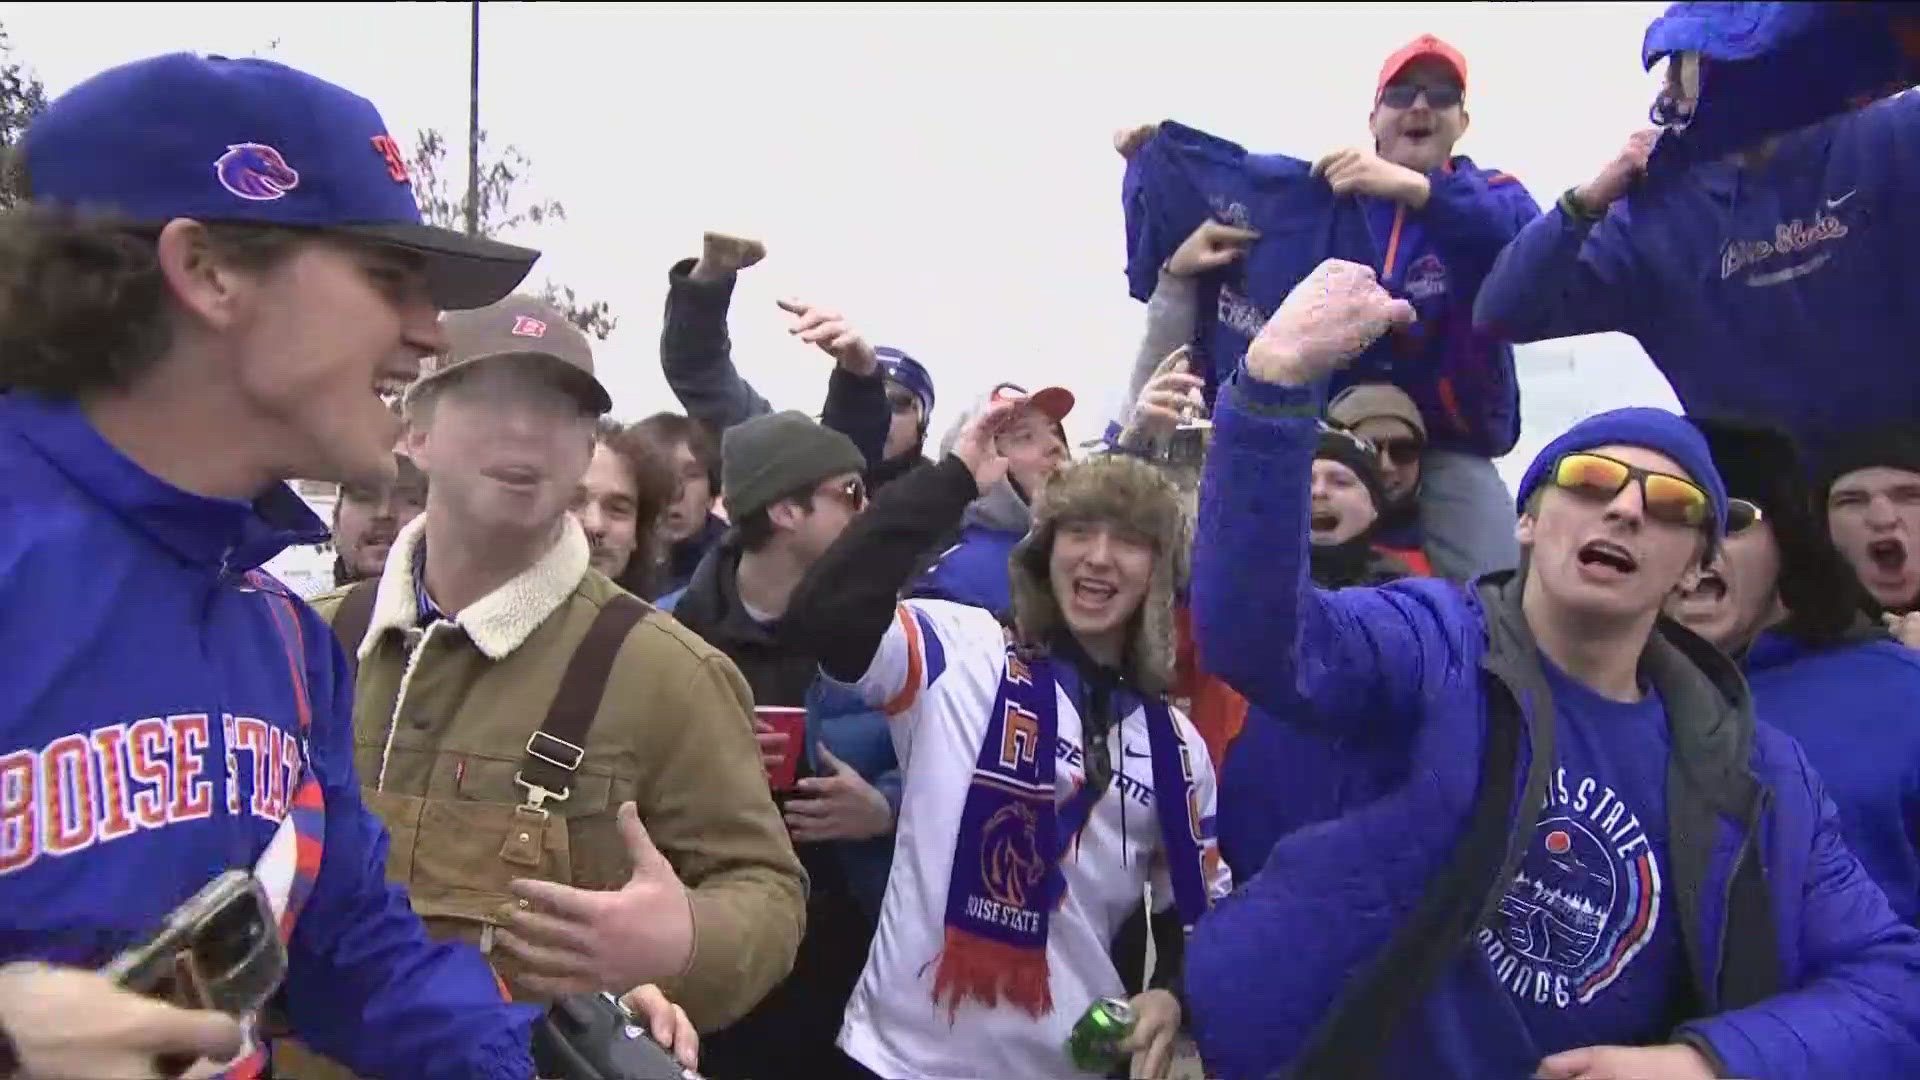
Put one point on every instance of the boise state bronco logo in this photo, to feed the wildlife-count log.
(1583, 903)
(1426, 278)
(1010, 863)
(255, 171)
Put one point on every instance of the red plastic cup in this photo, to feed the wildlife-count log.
(792, 723)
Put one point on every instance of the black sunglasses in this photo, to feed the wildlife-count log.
(1402, 96)
(1399, 452)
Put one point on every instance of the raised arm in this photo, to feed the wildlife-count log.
(696, 354)
(1474, 214)
(856, 392)
(1260, 623)
(1571, 270)
(843, 607)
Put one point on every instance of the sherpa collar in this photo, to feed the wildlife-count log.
(499, 622)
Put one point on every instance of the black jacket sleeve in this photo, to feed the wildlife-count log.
(697, 356)
(857, 408)
(842, 608)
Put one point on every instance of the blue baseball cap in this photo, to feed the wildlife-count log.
(216, 139)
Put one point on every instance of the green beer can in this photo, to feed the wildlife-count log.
(1094, 1043)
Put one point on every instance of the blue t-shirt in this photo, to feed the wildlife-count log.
(1586, 941)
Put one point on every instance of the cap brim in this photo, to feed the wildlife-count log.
(581, 384)
(1054, 401)
(462, 271)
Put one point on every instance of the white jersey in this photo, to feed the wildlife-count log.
(936, 674)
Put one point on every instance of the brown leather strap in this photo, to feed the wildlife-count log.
(351, 619)
(555, 751)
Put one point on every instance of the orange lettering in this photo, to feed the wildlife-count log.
(66, 782)
(19, 831)
(192, 797)
(147, 766)
(390, 150)
(252, 734)
(107, 745)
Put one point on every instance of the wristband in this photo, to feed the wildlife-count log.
(1571, 206)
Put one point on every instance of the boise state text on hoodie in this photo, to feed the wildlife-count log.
(1362, 932)
(152, 736)
(1778, 291)
(1435, 257)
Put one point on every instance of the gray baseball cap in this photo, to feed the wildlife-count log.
(525, 328)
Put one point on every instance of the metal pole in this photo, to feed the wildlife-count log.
(473, 130)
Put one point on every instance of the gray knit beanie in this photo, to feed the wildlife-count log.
(777, 454)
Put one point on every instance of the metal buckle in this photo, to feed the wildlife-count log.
(573, 755)
(537, 795)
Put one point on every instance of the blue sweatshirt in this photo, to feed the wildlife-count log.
(1779, 292)
(1462, 380)
(150, 732)
(1417, 669)
(1855, 709)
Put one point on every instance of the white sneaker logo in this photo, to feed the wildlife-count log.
(1834, 204)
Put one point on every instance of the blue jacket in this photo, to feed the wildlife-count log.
(1355, 921)
(132, 640)
(856, 734)
(1462, 380)
(974, 570)
(1778, 293)
(1855, 709)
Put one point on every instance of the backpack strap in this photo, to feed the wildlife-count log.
(351, 619)
(555, 751)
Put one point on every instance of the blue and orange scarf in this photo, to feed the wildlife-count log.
(1006, 879)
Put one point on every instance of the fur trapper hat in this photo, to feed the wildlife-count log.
(1129, 492)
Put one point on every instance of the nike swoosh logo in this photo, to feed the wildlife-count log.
(1129, 751)
(1834, 204)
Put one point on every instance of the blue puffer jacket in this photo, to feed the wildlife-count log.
(1358, 925)
(140, 649)
(857, 735)
(1855, 709)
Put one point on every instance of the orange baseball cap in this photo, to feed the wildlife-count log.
(1424, 45)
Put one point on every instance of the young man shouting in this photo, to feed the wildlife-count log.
(1561, 847)
(1046, 780)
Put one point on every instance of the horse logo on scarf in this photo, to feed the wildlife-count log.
(1010, 862)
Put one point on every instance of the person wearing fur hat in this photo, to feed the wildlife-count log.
(1780, 600)
(1869, 493)
(1560, 846)
(1046, 780)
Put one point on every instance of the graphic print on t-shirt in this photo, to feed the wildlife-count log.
(1583, 903)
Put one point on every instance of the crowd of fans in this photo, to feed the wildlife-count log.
(838, 748)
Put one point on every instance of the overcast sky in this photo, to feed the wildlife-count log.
(941, 173)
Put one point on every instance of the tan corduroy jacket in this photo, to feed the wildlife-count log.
(441, 722)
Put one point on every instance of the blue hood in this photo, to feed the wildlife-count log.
(1771, 67)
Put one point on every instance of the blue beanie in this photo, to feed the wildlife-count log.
(1654, 429)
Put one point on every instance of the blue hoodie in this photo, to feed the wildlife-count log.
(1801, 968)
(1779, 292)
(1463, 381)
(1855, 709)
(133, 641)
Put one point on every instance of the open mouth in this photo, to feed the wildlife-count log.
(391, 382)
(1323, 522)
(1607, 555)
(1093, 593)
(1711, 588)
(513, 475)
(1889, 555)
(1416, 133)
